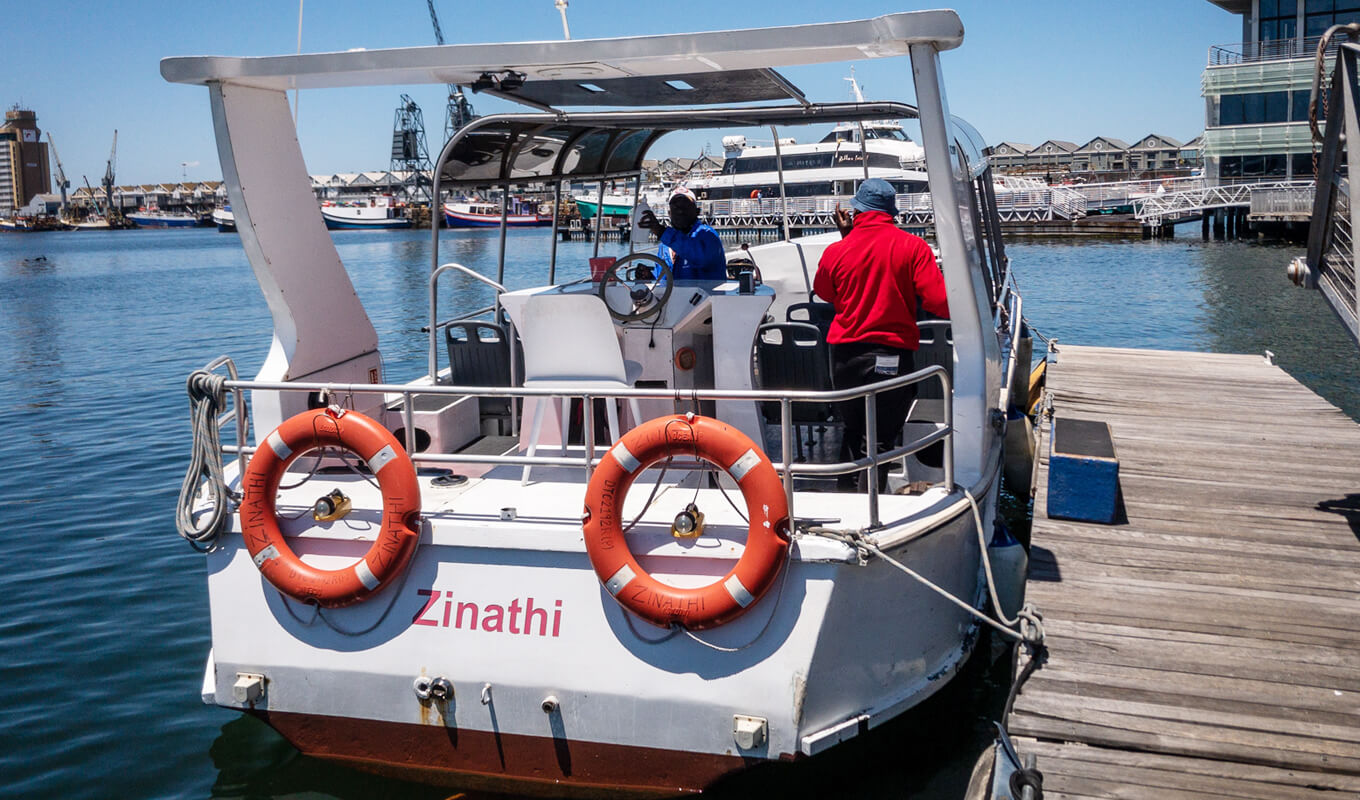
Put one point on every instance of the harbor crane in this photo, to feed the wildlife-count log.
(409, 154)
(62, 183)
(109, 172)
(459, 111)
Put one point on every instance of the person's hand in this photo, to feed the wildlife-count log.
(843, 221)
(651, 223)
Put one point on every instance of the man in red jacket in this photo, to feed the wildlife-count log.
(874, 276)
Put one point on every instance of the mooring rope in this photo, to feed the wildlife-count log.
(207, 398)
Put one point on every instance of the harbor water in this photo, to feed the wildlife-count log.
(104, 629)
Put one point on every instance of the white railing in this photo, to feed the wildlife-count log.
(591, 454)
(1118, 193)
(1156, 208)
(1294, 201)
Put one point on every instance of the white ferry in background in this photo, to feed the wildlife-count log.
(833, 166)
(379, 212)
(487, 214)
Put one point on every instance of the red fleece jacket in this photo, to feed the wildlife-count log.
(873, 277)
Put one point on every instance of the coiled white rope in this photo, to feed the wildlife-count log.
(207, 397)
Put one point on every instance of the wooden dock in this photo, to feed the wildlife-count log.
(1209, 645)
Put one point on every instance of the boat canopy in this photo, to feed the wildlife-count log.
(716, 67)
(523, 148)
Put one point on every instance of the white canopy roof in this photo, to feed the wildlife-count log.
(554, 72)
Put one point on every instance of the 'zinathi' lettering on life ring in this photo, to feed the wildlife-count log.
(515, 618)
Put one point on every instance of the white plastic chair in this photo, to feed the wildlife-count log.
(570, 343)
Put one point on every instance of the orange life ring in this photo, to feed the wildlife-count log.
(755, 193)
(767, 542)
(396, 475)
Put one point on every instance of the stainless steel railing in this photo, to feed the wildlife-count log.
(786, 398)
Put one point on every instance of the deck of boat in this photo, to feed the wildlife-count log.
(1209, 644)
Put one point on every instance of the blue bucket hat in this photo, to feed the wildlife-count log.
(875, 194)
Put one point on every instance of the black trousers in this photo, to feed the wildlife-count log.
(857, 364)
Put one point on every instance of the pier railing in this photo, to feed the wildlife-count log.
(1158, 208)
(402, 397)
(1222, 55)
(1283, 203)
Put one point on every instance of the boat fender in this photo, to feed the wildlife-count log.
(767, 539)
(396, 475)
(1017, 467)
(1010, 567)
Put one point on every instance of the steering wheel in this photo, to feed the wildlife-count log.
(645, 280)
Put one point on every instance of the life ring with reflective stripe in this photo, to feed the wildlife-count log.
(767, 541)
(396, 541)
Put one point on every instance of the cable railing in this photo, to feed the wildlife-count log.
(1223, 55)
(591, 454)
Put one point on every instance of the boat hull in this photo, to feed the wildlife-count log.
(839, 649)
(588, 208)
(340, 224)
(163, 220)
(461, 219)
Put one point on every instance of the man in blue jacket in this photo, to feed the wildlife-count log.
(691, 247)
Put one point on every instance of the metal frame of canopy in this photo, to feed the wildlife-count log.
(330, 336)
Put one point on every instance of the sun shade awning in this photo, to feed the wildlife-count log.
(695, 88)
(521, 148)
(552, 72)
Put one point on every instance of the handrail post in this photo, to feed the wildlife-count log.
(587, 428)
(949, 426)
(871, 449)
(786, 452)
(408, 419)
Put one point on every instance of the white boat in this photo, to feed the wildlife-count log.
(497, 627)
(833, 166)
(224, 219)
(91, 223)
(153, 217)
(379, 212)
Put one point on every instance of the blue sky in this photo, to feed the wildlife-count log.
(1028, 70)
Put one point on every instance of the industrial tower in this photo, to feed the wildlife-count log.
(409, 153)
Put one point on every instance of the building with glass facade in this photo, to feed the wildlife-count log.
(1256, 93)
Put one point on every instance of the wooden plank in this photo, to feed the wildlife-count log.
(1148, 772)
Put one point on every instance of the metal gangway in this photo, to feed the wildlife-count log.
(1276, 198)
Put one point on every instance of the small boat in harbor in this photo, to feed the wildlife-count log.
(224, 219)
(510, 616)
(96, 222)
(379, 212)
(484, 214)
(153, 217)
(615, 205)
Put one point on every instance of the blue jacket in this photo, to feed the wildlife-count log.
(698, 256)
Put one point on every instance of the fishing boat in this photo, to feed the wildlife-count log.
(96, 222)
(379, 212)
(224, 219)
(153, 217)
(482, 214)
(578, 553)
